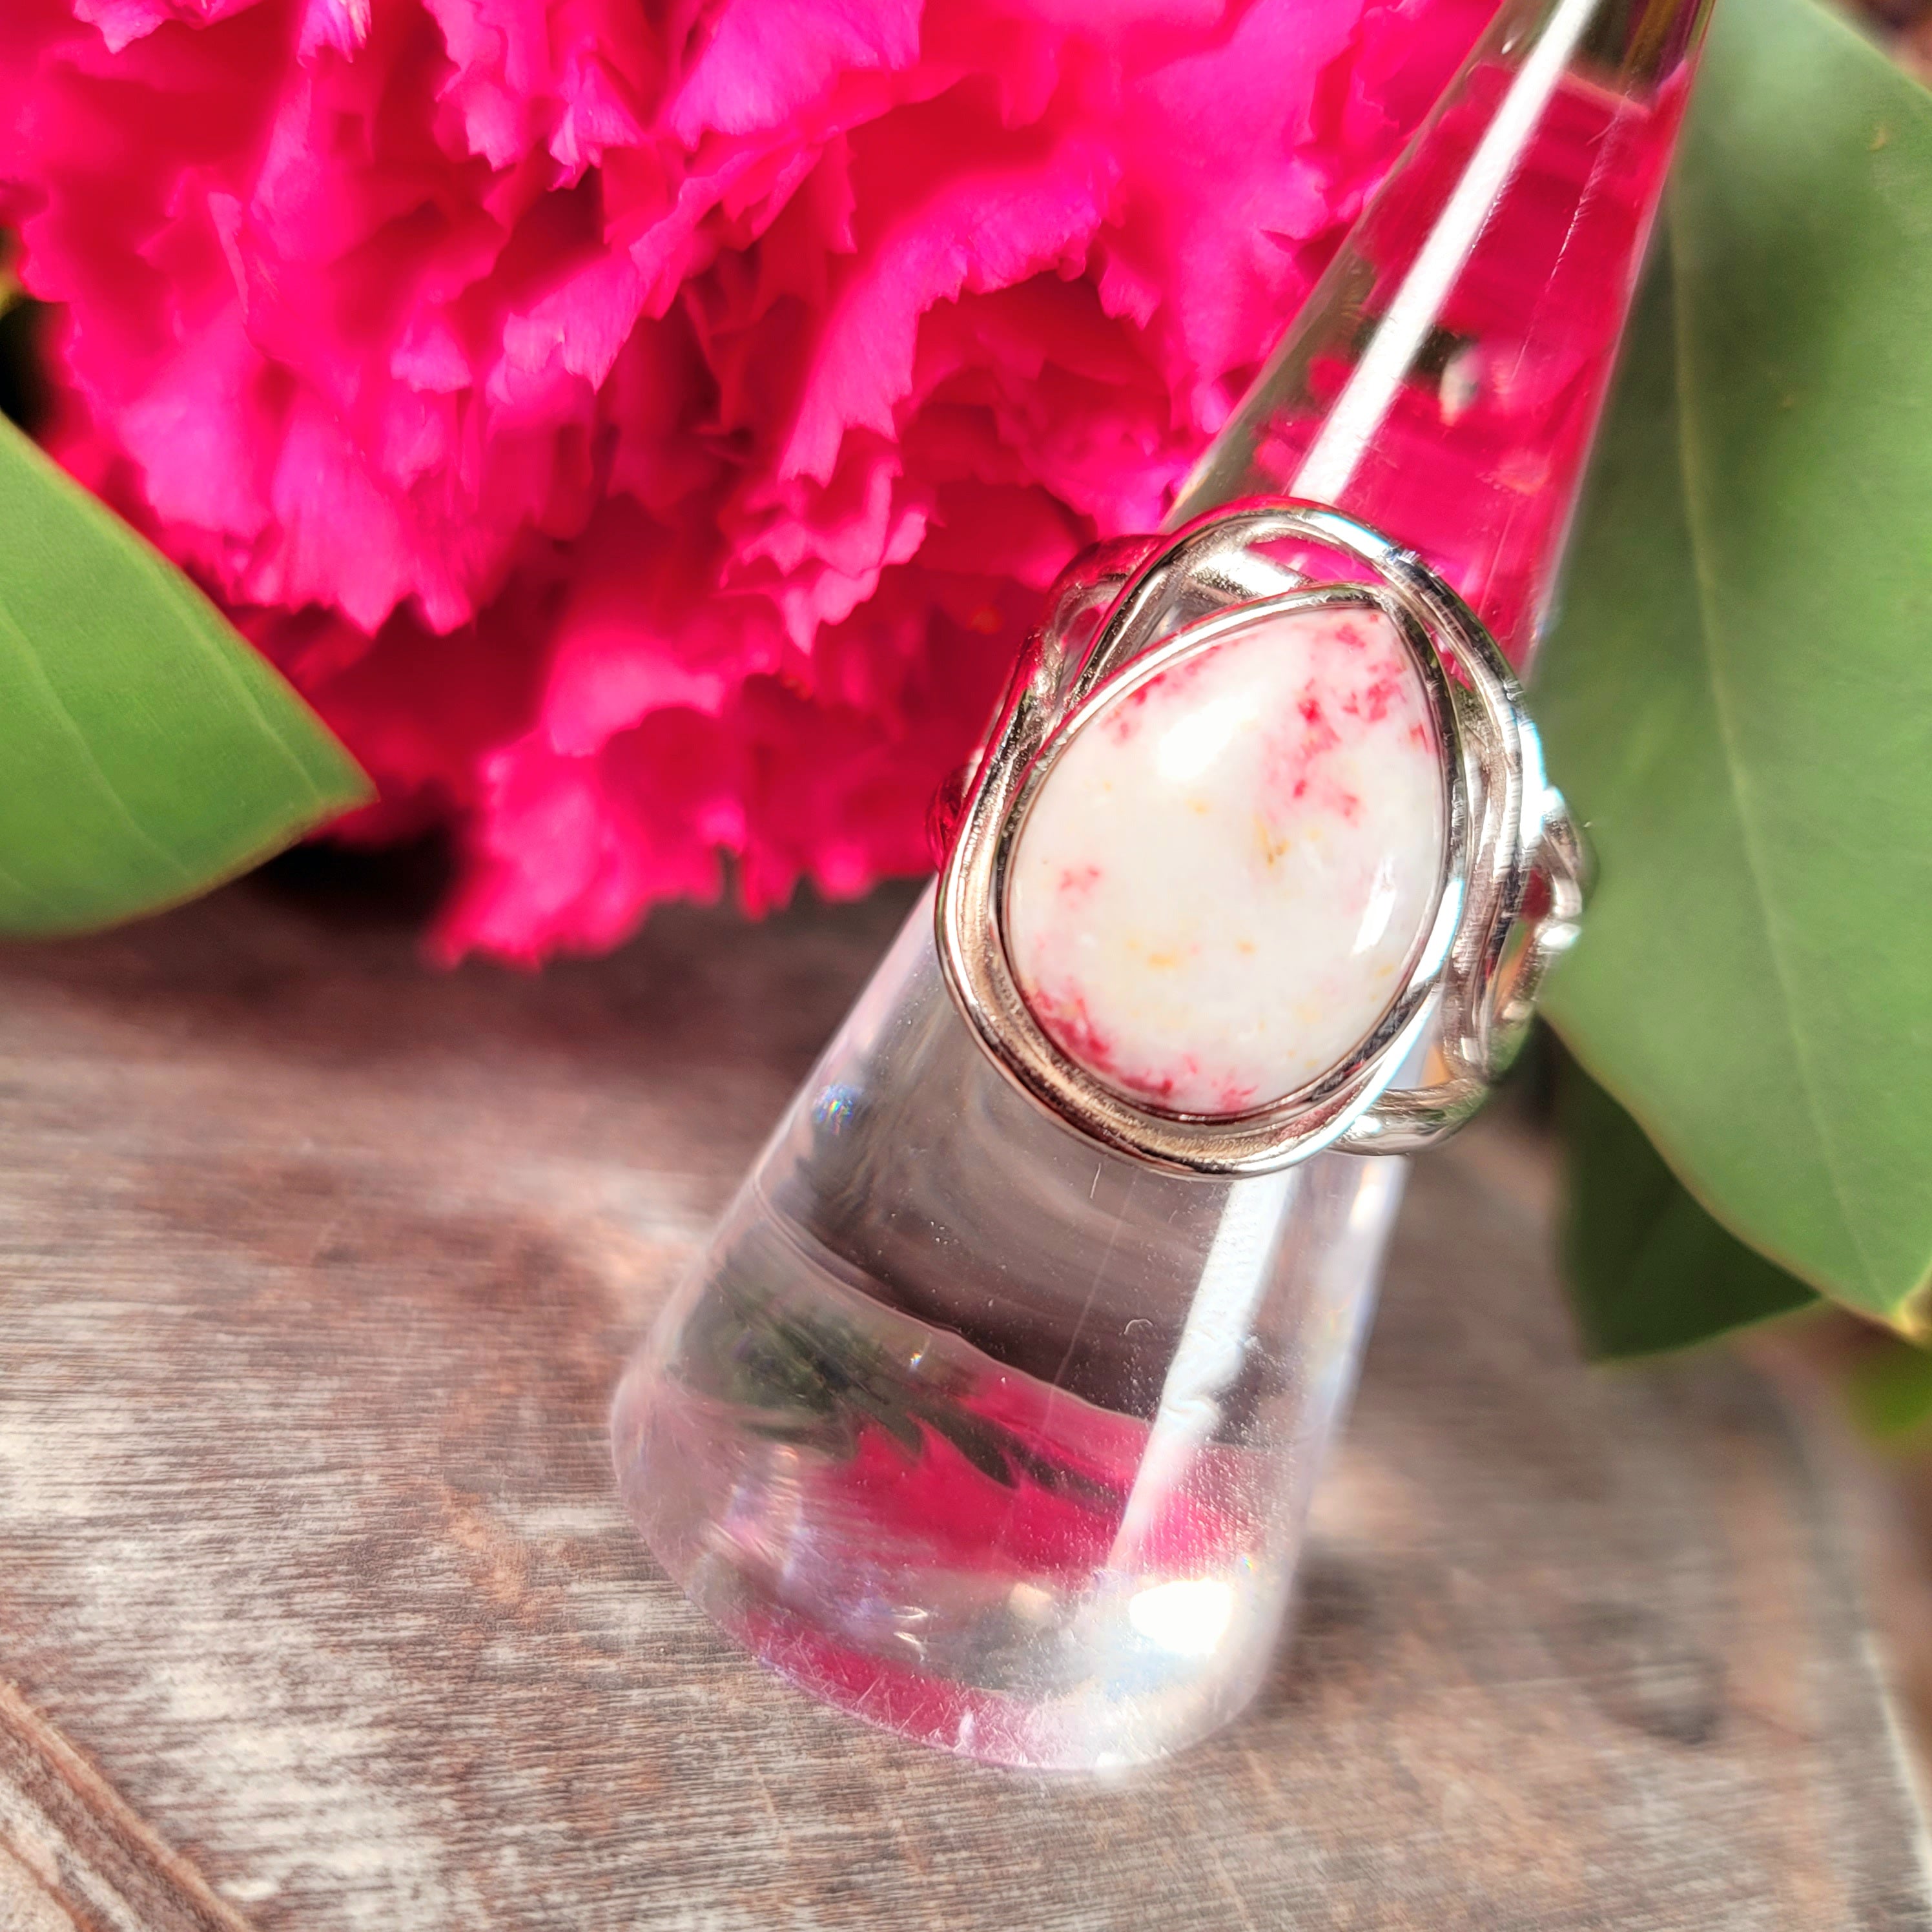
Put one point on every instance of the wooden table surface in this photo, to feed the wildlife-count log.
(316, 1610)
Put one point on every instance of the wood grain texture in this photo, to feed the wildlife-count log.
(317, 1272)
(76, 1853)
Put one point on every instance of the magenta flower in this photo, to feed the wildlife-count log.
(642, 430)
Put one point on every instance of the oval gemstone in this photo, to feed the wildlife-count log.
(1221, 880)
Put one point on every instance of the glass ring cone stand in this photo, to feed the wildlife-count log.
(999, 1438)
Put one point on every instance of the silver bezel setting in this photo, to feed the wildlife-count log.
(1141, 607)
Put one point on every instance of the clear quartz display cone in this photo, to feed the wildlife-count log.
(936, 1429)
(1004, 1440)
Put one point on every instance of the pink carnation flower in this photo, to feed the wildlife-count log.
(644, 431)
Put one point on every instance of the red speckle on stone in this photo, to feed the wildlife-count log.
(1346, 698)
(1067, 1020)
(1076, 882)
(1321, 736)
(1293, 759)
(1062, 1014)
(1122, 720)
(1373, 700)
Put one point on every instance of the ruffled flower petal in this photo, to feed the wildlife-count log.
(644, 433)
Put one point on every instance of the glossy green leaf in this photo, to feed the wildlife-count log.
(1648, 1270)
(1738, 700)
(146, 752)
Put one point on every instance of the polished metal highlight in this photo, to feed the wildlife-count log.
(1507, 904)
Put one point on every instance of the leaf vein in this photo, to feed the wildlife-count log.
(30, 657)
(179, 595)
(1695, 485)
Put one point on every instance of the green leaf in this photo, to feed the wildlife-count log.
(1738, 700)
(1890, 1392)
(1649, 1269)
(148, 752)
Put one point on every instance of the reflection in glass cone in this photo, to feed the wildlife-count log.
(986, 1433)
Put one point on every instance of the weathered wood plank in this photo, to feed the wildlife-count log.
(317, 1272)
(76, 1853)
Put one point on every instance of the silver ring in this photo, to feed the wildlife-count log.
(1507, 903)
